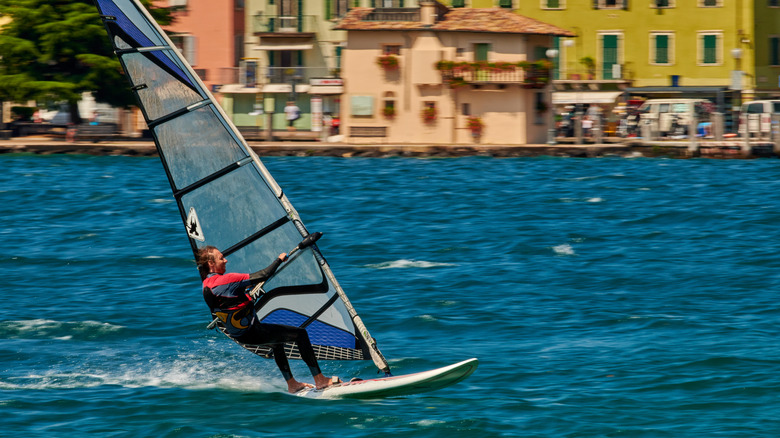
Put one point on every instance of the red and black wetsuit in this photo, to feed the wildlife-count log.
(227, 296)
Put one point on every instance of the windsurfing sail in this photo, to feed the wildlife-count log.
(226, 196)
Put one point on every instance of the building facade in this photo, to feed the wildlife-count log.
(723, 50)
(449, 76)
(210, 35)
(291, 54)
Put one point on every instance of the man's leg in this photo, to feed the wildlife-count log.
(278, 334)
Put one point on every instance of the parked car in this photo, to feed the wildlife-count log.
(673, 116)
(757, 116)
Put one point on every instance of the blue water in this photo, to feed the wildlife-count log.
(604, 298)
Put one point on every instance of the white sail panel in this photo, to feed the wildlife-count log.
(193, 150)
(163, 93)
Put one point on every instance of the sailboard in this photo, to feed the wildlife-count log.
(227, 198)
(407, 384)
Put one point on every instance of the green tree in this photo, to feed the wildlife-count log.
(54, 50)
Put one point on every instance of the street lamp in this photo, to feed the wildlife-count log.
(552, 54)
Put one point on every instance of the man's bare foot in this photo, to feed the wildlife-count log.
(294, 386)
(323, 382)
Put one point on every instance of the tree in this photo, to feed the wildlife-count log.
(54, 50)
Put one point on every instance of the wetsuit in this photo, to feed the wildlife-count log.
(227, 296)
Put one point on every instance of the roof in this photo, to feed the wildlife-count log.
(493, 20)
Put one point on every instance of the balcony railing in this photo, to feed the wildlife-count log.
(530, 75)
(273, 75)
(393, 14)
(282, 75)
(284, 23)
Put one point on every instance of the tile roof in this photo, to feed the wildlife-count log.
(494, 20)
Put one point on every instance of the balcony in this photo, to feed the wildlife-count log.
(527, 74)
(283, 25)
(251, 77)
(302, 75)
(394, 14)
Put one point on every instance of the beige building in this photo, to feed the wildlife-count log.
(434, 74)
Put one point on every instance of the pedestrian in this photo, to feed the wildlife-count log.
(292, 113)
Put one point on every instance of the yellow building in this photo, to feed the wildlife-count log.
(438, 75)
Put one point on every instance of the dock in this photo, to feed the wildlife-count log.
(627, 148)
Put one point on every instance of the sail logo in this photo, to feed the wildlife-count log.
(193, 226)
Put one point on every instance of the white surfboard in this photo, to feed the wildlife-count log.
(397, 385)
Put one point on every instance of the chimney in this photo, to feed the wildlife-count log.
(428, 12)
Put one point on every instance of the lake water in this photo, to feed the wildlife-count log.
(604, 298)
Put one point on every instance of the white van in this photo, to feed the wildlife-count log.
(757, 116)
(672, 115)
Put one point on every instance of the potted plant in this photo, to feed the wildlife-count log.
(388, 62)
(429, 114)
(456, 82)
(475, 125)
(590, 65)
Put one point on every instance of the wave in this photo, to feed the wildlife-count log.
(404, 264)
(51, 329)
(188, 371)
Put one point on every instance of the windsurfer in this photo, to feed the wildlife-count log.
(228, 298)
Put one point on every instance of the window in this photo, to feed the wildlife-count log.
(505, 4)
(610, 4)
(710, 3)
(710, 48)
(610, 54)
(774, 50)
(659, 4)
(661, 49)
(458, 3)
(336, 8)
(391, 49)
(186, 45)
(774, 3)
(388, 105)
(481, 51)
(553, 4)
(465, 109)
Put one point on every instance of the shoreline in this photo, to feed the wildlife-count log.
(633, 148)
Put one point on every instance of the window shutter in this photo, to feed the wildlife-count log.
(190, 54)
(662, 49)
(710, 49)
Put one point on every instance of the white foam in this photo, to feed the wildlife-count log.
(193, 373)
(563, 249)
(405, 264)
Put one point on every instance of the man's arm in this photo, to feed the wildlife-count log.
(264, 274)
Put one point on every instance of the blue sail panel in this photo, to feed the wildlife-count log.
(132, 22)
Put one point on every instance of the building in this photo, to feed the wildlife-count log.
(723, 50)
(291, 53)
(434, 74)
(210, 35)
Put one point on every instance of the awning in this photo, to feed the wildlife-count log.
(286, 46)
(237, 89)
(285, 88)
(326, 89)
(574, 97)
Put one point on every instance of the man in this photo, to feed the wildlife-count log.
(227, 296)
(292, 113)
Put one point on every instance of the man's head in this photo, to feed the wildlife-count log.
(210, 260)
